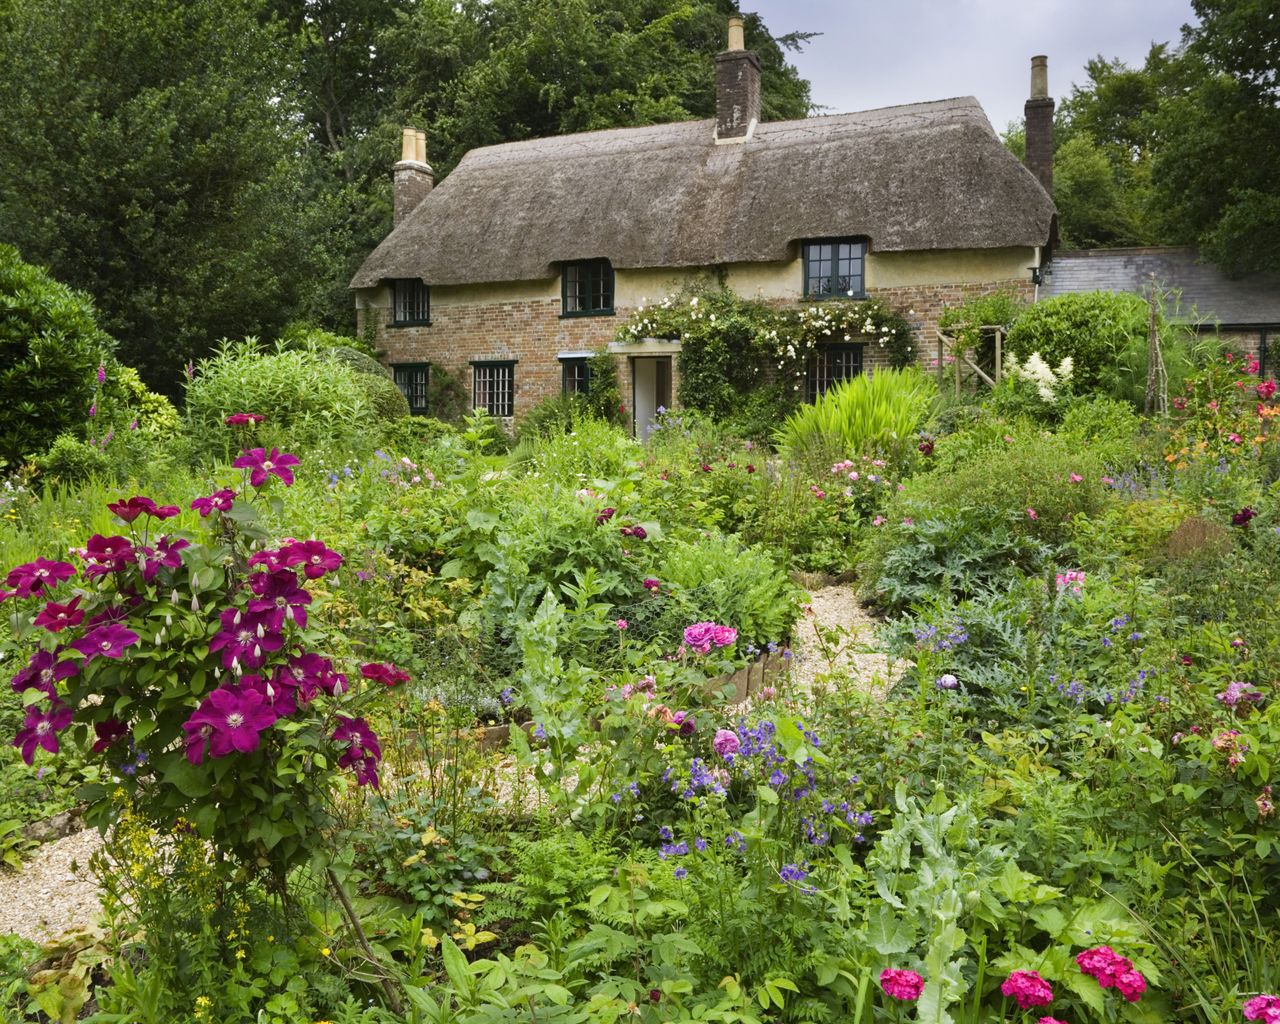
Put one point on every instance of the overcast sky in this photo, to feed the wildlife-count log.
(876, 54)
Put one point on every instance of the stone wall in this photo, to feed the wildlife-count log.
(532, 332)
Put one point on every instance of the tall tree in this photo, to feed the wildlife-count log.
(147, 157)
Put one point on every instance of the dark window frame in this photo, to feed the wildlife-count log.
(407, 386)
(821, 377)
(810, 257)
(419, 306)
(509, 398)
(575, 375)
(599, 272)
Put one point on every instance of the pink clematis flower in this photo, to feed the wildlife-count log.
(279, 596)
(43, 671)
(245, 638)
(130, 509)
(56, 617)
(218, 501)
(387, 674)
(107, 554)
(241, 419)
(30, 579)
(229, 719)
(107, 641)
(310, 674)
(262, 464)
(314, 557)
(41, 728)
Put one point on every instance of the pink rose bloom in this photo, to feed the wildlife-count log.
(726, 743)
(723, 636)
(903, 985)
(700, 636)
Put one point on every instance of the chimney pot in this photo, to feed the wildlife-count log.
(736, 39)
(737, 88)
(1040, 78)
(1039, 118)
(412, 178)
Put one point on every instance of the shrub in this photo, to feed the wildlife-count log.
(448, 398)
(1109, 429)
(863, 414)
(555, 415)
(386, 401)
(50, 348)
(307, 397)
(124, 403)
(70, 460)
(1089, 328)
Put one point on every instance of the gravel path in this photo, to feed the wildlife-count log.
(853, 650)
(54, 892)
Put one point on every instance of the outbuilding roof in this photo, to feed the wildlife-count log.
(1204, 291)
(917, 177)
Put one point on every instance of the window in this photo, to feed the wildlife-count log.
(586, 288)
(831, 364)
(410, 303)
(412, 380)
(575, 375)
(833, 269)
(494, 387)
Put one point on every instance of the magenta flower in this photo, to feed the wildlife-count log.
(1028, 989)
(362, 750)
(702, 636)
(108, 641)
(684, 723)
(267, 558)
(1104, 964)
(1050, 1020)
(1131, 985)
(130, 509)
(43, 672)
(245, 638)
(280, 597)
(56, 617)
(651, 584)
(262, 464)
(164, 555)
(229, 719)
(1264, 1008)
(639, 532)
(280, 696)
(903, 985)
(219, 501)
(102, 374)
(240, 419)
(107, 554)
(312, 555)
(309, 674)
(622, 625)
(726, 743)
(41, 728)
(604, 515)
(388, 674)
(33, 577)
(109, 733)
(1242, 517)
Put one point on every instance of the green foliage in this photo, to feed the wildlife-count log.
(865, 414)
(384, 399)
(50, 348)
(558, 414)
(965, 322)
(305, 396)
(70, 460)
(448, 398)
(604, 396)
(1090, 328)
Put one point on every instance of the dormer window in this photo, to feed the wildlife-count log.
(834, 269)
(410, 303)
(586, 288)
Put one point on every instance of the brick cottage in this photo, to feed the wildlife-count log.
(524, 261)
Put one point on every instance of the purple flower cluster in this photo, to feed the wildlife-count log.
(932, 638)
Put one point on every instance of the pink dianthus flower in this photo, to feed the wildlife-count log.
(900, 984)
(1028, 989)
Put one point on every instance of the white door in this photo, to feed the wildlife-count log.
(651, 391)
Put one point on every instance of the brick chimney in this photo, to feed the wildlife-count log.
(412, 177)
(1039, 115)
(737, 88)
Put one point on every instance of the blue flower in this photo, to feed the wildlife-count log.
(539, 732)
(681, 873)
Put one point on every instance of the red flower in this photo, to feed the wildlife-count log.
(312, 555)
(217, 501)
(132, 508)
(108, 641)
(33, 577)
(41, 728)
(388, 674)
(262, 464)
(240, 419)
(56, 617)
(604, 515)
(107, 554)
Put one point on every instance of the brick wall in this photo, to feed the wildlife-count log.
(532, 332)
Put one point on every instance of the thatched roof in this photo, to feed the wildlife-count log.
(1204, 291)
(917, 177)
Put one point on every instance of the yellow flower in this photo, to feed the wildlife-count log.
(239, 954)
(326, 951)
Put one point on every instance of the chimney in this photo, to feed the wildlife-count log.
(412, 178)
(737, 88)
(1039, 115)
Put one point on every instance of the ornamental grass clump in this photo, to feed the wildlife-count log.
(190, 665)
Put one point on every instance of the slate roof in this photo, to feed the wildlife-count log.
(1206, 293)
(916, 177)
